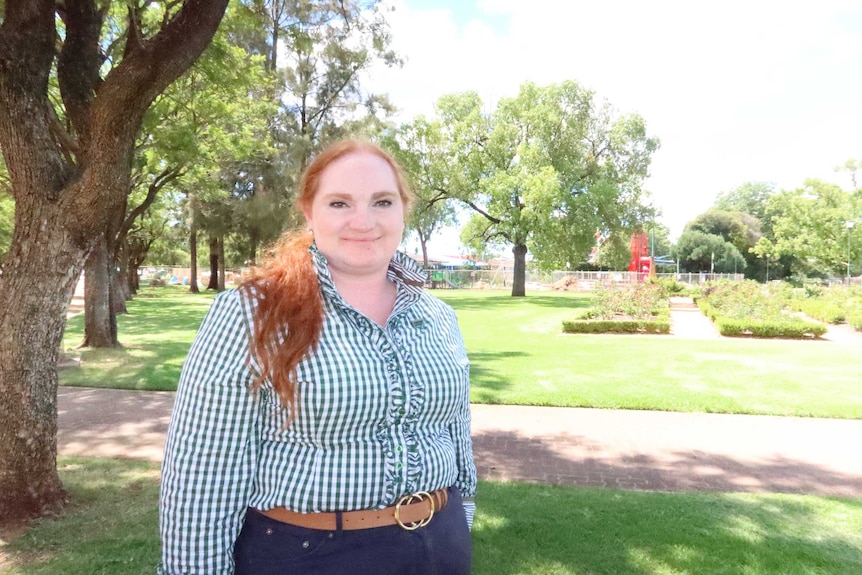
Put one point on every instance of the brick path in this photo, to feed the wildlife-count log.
(614, 448)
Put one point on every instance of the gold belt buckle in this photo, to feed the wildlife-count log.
(414, 498)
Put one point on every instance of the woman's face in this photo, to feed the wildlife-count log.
(357, 215)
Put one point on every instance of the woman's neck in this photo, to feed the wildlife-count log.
(373, 296)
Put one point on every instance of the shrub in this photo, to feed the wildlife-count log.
(791, 328)
(642, 300)
(824, 310)
(617, 326)
(751, 309)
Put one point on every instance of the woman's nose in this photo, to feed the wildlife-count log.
(362, 219)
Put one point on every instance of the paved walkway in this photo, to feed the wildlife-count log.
(614, 448)
(568, 446)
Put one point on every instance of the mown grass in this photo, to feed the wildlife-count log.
(111, 527)
(155, 336)
(520, 356)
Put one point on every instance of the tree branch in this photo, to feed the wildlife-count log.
(481, 211)
(160, 181)
(79, 62)
(134, 36)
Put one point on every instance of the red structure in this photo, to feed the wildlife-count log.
(640, 262)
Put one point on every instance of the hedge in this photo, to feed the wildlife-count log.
(784, 328)
(616, 326)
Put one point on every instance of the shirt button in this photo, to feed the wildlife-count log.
(398, 449)
(305, 544)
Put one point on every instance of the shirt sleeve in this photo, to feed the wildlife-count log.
(212, 447)
(461, 438)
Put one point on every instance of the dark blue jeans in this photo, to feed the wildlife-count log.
(443, 547)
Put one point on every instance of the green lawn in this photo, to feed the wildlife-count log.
(155, 336)
(520, 356)
(111, 528)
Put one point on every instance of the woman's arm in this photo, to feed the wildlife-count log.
(460, 431)
(212, 447)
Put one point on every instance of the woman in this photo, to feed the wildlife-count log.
(322, 421)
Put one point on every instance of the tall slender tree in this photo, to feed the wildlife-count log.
(70, 179)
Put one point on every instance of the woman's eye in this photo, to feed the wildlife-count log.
(384, 203)
(337, 204)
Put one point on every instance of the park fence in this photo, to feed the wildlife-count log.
(581, 281)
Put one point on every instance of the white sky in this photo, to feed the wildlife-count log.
(737, 91)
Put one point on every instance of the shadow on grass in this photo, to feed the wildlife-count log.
(110, 525)
(156, 368)
(486, 383)
(639, 531)
(550, 530)
(503, 301)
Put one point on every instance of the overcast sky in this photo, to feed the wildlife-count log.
(738, 90)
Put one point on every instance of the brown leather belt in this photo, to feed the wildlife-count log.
(411, 512)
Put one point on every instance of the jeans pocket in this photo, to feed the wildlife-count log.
(267, 546)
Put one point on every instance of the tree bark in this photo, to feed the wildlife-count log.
(66, 187)
(214, 264)
(35, 288)
(193, 254)
(519, 278)
(223, 268)
(98, 320)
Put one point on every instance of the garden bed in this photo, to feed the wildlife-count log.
(637, 308)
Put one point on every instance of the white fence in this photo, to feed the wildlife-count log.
(584, 281)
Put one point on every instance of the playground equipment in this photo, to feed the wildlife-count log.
(641, 262)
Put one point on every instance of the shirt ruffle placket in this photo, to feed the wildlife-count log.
(407, 395)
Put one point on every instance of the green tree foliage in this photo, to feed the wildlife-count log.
(810, 229)
(420, 147)
(213, 127)
(740, 229)
(545, 170)
(749, 198)
(697, 251)
(321, 49)
(852, 168)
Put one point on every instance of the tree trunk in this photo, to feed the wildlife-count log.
(519, 279)
(214, 264)
(41, 270)
(223, 268)
(66, 186)
(423, 241)
(133, 279)
(120, 292)
(98, 321)
(193, 254)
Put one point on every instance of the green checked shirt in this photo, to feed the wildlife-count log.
(382, 412)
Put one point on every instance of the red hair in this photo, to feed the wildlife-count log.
(286, 287)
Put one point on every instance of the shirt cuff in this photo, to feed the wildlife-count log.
(469, 511)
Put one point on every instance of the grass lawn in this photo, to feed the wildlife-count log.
(520, 356)
(155, 335)
(111, 528)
